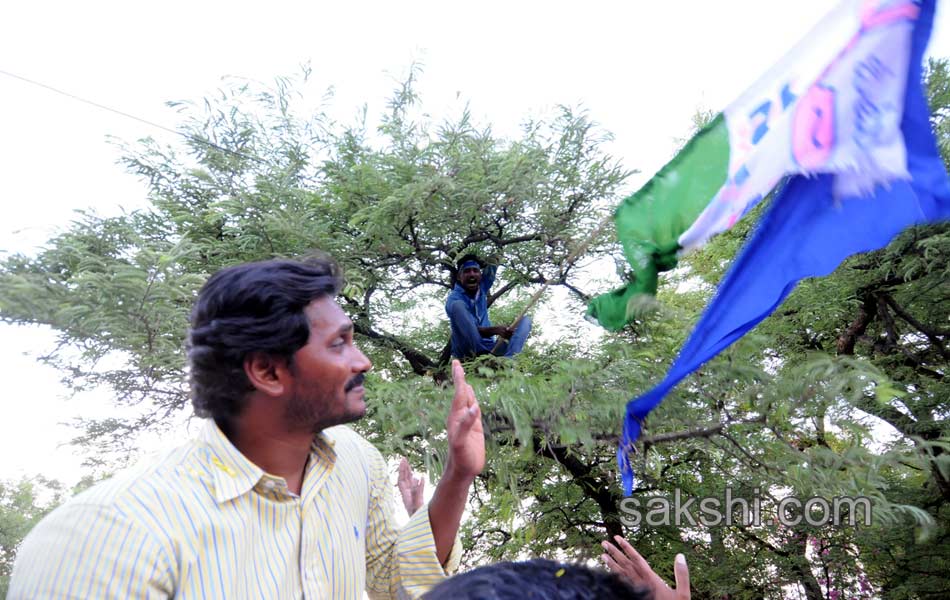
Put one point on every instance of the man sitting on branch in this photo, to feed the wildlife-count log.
(467, 307)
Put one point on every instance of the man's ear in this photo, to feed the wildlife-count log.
(268, 374)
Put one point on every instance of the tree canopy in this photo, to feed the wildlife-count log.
(842, 392)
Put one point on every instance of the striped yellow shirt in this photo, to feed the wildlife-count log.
(205, 522)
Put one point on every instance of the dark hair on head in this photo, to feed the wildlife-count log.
(537, 579)
(254, 307)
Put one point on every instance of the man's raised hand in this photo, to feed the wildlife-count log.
(464, 429)
(411, 487)
(625, 561)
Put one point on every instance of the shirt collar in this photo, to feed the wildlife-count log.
(321, 464)
(234, 475)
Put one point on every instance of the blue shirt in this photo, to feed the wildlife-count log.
(478, 305)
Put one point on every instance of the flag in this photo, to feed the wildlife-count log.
(863, 166)
(832, 105)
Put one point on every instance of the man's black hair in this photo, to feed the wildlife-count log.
(537, 579)
(254, 307)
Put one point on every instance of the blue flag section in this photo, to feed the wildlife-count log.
(807, 231)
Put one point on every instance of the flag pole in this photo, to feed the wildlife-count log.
(573, 256)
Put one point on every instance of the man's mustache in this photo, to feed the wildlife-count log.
(355, 382)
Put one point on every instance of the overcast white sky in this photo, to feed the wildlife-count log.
(640, 68)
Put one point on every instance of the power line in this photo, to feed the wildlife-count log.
(187, 136)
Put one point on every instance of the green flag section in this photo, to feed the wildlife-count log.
(651, 221)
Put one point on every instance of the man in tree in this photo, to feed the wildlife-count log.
(275, 499)
(467, 308)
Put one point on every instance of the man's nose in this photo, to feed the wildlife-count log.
(362, 364)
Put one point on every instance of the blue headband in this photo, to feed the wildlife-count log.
(470, 263)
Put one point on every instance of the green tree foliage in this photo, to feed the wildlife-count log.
(395, 205)
(841, 393)
(22, 504)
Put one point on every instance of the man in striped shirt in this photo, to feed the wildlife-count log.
(275, 499)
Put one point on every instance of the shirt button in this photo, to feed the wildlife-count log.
(269, 485)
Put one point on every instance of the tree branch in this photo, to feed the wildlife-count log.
(605, 496)
(932, 334)
(858, 326)
(420, 363)
(705, 432)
